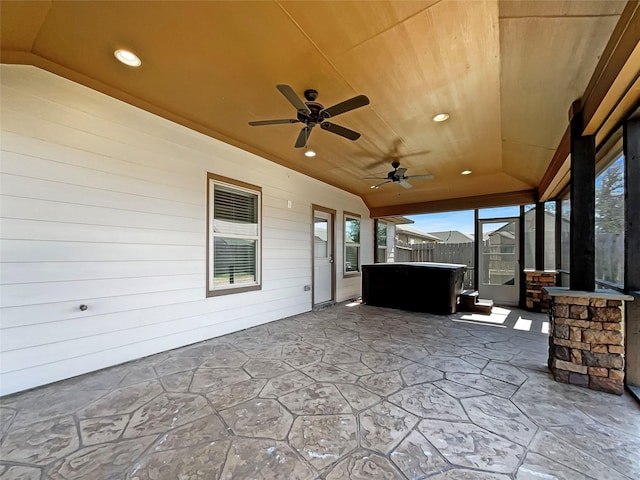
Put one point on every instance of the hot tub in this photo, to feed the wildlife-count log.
(418, 286)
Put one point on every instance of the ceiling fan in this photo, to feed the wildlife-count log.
(312, 113)
(397, 176)
(392, 155)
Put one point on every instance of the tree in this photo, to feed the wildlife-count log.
(381, 234)
(353, 230)
(610, 201)
(610, 224)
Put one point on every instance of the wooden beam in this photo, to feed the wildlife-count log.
(583, 176)
(617, 69)
(520, 197)
(620, 112)
(559, 162)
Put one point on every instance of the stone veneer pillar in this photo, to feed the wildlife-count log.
(535, 280)
(586, 338)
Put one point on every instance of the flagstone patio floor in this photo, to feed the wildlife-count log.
(350, 392)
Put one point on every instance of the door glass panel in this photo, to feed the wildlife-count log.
(499, 253)
(320, 237)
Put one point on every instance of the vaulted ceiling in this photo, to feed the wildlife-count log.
(505, 71)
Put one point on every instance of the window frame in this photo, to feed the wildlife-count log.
(211, 290)
(346, 217)
(377, 246)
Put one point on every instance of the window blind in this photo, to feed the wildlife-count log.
(235, 211)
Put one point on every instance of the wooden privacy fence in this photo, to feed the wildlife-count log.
(608, 267)
(440, 252)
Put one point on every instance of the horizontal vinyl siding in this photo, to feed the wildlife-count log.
(38, 272)
(104, 204)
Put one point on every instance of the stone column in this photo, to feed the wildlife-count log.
(586, 338)
(535, 280)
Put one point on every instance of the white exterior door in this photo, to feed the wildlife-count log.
(499, 261)
(323, 268)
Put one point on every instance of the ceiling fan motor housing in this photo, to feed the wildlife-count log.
(314, 117)
(393, 176)
(311, 94)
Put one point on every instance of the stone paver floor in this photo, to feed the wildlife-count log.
(351, 392)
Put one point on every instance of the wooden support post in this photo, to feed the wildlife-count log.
(558, 239)
(582, 238)
(477, 233)
(521, 261)
(632, 252)
(375, 241)
(632, 204)
(539, 263)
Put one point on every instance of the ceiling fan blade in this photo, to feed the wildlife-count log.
(405, 184)
(273, 122)
(342, 107)
(293, 98)
(400, 172)
(375, 163)
(374, 187)
(303, 137)
(374, 178)
(420, 177)
(338, 130)
(414, 154)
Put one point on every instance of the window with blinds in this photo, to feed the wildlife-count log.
(233, 236)
(351, 244)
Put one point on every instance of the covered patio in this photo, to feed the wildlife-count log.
(179, 270)
(348, 392)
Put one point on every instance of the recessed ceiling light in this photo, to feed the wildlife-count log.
(374, 186)
(465, 172)
(441, 117)
(127, 57)
(310, 153)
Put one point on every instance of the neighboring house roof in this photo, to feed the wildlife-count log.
(453, 236)
(503, 233)
(397, 219)
(414, 232)
(549, 215)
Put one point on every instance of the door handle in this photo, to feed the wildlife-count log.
(331, 260)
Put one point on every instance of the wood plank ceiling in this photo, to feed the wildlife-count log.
(505, 71)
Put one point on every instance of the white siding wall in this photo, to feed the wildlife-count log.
(104, 204)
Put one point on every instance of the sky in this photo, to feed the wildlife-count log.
(461, 221)
(619, 162)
